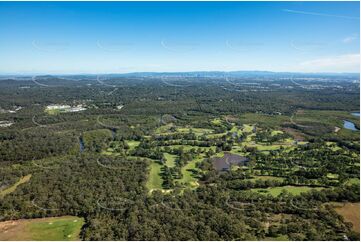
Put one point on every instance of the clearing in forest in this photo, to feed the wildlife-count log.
(351, 213)
(53, 228)
(12, 188)
(294, 190)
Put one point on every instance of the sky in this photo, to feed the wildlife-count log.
(120, 37)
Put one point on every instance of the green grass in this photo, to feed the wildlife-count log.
(53, 111)
(132, 144)
(53, 229)
(275, 132)
(353, 181)
(272, 121)
(170, 159)
(189, 147)
(332, 176)
(164, 129)
(265, 178)
(237, 150)
(12, 188)
(64, 228)
(154, 180)
(188, 179)
(262, 147)
(216, 121)
(196, 131)
(333, 146)
(294, 190)
(248, 128)
(278, 238)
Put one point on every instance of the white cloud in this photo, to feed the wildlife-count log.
(349, 39)
(341, 63)
(319, 14)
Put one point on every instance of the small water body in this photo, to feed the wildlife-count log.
(349, 125)
(357, 114)
(81, 144)
(114, 131)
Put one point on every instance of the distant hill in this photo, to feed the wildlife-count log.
(210, 74)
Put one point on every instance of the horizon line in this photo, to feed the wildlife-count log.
(170, 72)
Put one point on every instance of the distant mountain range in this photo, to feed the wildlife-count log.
(210, 74)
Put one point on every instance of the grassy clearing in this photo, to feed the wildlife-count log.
(238, 150)
(196, 131)
(164, 128)
(188, 177)
(351, 213)
(12, 188)
(332, 176)
(53, 111)
(278, 238)
(189, 147)
(267, 178)
(353, 181)
(294, 190)
(54, 228)
(248, 128)
(275, 132)
(132, 144)
(333, 146)
(154, 179)
(324, 123)
(333, 118)
(170, 159)
(262, 147)
(271, 121)
(216, 121)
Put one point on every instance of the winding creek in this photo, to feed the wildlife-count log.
(81, 144)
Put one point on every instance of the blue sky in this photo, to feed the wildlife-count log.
(118, 37)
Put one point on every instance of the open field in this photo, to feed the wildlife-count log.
(273, 121)
(170, 159)
(294, 190)
(197, 131)
(53, 228)
(188, 176)
(132, 144)
(350, 212)
(154, 179)
(12, 188)
(267, 178)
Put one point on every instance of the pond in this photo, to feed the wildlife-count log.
(349, 125)
(224, 163)
(357, 114)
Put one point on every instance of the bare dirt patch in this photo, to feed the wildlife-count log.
(351, 213)
(295, 134)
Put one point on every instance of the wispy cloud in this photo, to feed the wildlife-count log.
(341, 63)
(319, 14)
(349, 39)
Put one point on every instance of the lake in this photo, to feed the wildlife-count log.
(349, 125)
